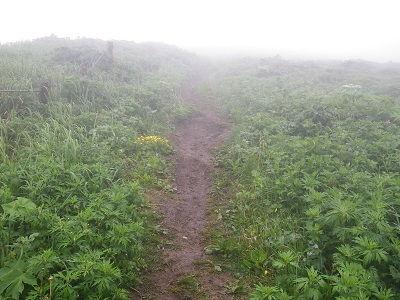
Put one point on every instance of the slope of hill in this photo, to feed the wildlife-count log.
(82, 133)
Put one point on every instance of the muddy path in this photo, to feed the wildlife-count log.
(184, 273)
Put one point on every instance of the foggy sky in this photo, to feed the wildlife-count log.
(340, 29)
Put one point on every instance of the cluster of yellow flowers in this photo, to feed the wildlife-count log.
(150, 139)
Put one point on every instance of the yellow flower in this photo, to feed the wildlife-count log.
(266, 272)
(275, 210)
(150, 139)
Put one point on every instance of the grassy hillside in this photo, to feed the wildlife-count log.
(311, 176)
(79, 140)
(307, 205)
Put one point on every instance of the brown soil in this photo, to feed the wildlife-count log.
(186, 271)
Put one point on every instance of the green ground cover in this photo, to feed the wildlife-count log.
(311, 174)
(74, 162)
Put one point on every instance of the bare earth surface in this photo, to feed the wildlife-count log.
(185, 214)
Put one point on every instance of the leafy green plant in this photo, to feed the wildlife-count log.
(268, 293)
(73, 217)
(314, 177)
(256, 260)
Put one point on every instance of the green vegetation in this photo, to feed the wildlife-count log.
(312, 177)
(311, 171)
(188, 287)
(72, 165)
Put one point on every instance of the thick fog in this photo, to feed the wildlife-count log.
(340, 29)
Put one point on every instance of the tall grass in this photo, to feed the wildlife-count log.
(72, 214)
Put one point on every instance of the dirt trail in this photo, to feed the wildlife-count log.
(185, 216)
